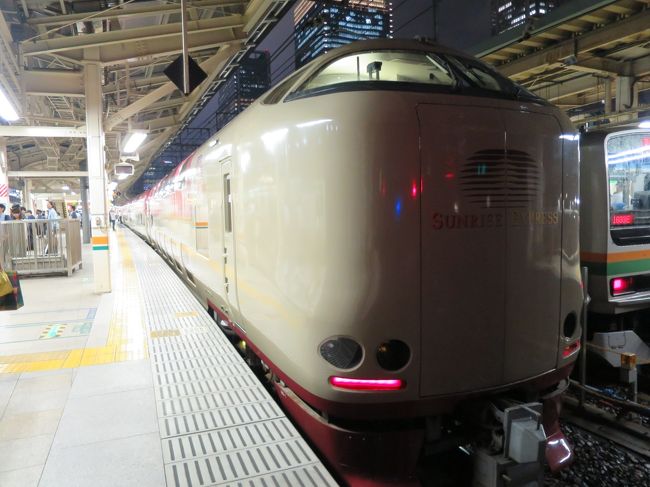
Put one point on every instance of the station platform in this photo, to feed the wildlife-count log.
(137, 387)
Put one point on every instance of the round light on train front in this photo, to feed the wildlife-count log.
(393, 354)
(341, 352)
(570, 325)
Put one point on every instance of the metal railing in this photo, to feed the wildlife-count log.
(33, 247)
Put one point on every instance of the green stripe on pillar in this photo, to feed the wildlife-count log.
(100, 247)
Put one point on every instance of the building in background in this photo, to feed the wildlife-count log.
(243, 86)
(506, 14)
(324, 25)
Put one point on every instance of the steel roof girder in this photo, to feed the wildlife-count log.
(41, 131)
(557, 91)
(50, 82)
(215, 62)
(131, 11)
(617, 31)
(129, 36)
(115, 54)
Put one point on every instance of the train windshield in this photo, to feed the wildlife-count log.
(410, 71)
(628, 163)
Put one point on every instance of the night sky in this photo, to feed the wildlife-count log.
(461, 24)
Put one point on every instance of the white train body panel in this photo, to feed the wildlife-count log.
(355, 214)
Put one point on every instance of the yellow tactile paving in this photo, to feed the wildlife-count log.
(127, 339)
(165, 333)
(186, 314)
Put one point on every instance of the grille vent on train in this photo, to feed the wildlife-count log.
(496, 178)
(341, 352)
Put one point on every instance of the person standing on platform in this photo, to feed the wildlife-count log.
(111, 217)
(4, 216)
(51, 211)
(30, 230)
(52, 217)
(16, 213)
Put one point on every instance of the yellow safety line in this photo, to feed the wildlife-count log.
(127, 339)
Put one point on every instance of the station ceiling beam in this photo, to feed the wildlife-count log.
(636, 25)
(41, 131)
(557, 90)
(51, 82)
(130, 11)
(117, 47)
(212, 66)
(47, 174)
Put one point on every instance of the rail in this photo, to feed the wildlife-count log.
(37, 247)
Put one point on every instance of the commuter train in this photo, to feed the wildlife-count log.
(393, 231)
(615, 226)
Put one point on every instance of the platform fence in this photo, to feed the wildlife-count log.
(35, 247)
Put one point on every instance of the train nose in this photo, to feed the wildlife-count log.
(491, 226)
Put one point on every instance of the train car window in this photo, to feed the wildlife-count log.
(382, 66)
(410, 71)
(280, 90)
(227, 203)
(628, 168)
(483, 78)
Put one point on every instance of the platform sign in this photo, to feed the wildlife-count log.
(175, 73)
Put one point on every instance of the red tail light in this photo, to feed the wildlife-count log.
(621, 285)
(367, 384)
(624, 219)
(571, 349)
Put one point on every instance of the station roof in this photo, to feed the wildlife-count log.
(568, 55)
(44, 45)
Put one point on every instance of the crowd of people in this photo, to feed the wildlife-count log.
(18, 212)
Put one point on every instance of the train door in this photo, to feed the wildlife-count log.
(534, 247)
(463, 248)
(229, 268)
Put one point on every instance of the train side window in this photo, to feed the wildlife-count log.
(279, 91)
(227, 203)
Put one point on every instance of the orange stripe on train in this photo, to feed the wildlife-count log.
(618, 257)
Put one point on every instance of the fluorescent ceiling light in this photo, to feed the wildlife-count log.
(65, 187)
(133, 141)
(7, 110)
(645, 124)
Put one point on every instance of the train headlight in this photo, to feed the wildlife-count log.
(393, 354)
(367, 384)
(342, 352)
(570, 325)
(621, 285)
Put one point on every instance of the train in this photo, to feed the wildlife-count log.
(615, 227)
(393, 232)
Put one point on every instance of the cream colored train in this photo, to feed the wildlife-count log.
(393, 230)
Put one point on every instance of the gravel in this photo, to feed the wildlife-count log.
(599, 462)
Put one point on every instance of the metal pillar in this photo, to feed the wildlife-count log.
(96, 172)
(28, 199)
(608, 96)
(624, 93)
(85, 216)
(4, 179)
